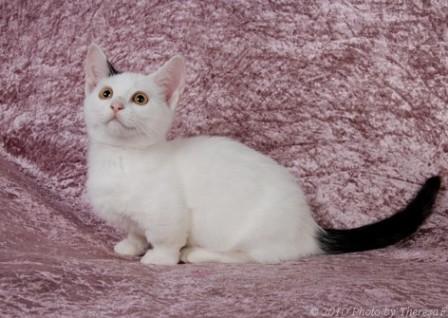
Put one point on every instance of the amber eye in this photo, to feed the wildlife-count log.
(140, 98)
(106, 93)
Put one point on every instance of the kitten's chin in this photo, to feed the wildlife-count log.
(114, 134)
(116, 124)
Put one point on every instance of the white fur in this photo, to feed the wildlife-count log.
(201, 199)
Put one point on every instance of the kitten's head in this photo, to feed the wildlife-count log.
(129, 109)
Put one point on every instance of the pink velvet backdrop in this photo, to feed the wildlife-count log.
(351, 96)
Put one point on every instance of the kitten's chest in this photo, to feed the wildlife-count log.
(115, 172)
(111, 179)
(117, 182)
(125, 184)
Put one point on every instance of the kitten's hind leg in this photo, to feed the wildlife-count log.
(201, 255)
(132, 245)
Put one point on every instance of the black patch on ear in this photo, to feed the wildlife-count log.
(112, 70)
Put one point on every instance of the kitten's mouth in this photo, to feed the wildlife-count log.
(117, 120)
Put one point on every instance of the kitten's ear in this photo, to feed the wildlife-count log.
(171, 78)
(96, 67)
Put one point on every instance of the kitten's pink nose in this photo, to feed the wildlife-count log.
(116, 107)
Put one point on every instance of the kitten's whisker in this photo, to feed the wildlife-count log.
(144, 130)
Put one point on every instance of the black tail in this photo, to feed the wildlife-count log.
(385, 232)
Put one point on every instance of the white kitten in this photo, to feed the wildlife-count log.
(201, 199)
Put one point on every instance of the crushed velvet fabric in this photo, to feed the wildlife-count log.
(350, 95)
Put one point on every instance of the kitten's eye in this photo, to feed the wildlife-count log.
(140, 98)
(105, 93)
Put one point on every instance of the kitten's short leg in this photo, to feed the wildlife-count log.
(200, 255)
(273, 254)
(133, 245)
(161, 255)
(165, 249)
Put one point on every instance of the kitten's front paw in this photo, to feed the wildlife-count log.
(160, 257)
(129, 247)
(186, 255)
